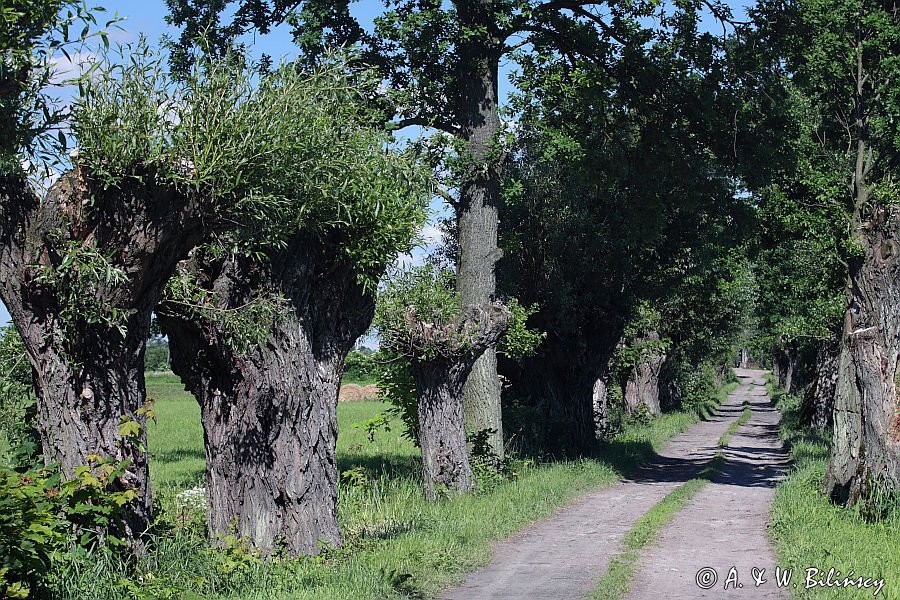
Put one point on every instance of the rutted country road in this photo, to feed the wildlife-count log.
(564, 556)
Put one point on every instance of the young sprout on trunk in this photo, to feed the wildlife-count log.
(419, 317)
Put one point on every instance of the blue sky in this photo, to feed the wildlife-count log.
(147, 17)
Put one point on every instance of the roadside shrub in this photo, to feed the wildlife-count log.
(395, 382)
(18, 436)
(698, 387)
(45, 519)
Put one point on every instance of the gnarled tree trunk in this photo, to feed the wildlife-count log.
(642, 385)
(670, 392)
(818, 403)
(442, 434)
(269, 412)
(479, 196)
(568, 381)
(866, 443)
(789, 368)
(86, 335)
(452, 349)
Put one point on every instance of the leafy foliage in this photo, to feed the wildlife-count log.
(424, 294)
(18, 435)
(619, 197)
(520, 341)
(34, 34)
(291, 152)
(44, 517)
(83, 269)
(831, 64)
(361, 365)
(422, 50)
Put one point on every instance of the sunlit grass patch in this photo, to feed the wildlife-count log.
(811, 532)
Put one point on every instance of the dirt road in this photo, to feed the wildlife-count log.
(724, 526)
(564, 556)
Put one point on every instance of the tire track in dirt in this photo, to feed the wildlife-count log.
(724, 525)
(565, 555)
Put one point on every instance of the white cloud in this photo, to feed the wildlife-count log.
(431, 235)
(414, 259)
(77, 63)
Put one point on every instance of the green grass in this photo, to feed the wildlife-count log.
(397, 544)
(616, 581)
(362, 380)
(176, 439)
(810, 531)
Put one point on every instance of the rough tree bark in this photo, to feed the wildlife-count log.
(776, 368)
(441, 358)
(568, 380)
(599, 404)
(670, 393)
(88, 375)
(818, 401)
(642, 385)
(866, 443)
(479, 195)
(269, 413)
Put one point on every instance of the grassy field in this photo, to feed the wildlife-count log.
(397, 544)
(809, 531)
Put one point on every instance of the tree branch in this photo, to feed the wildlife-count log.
(438, 124)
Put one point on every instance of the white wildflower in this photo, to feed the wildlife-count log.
(193, 498)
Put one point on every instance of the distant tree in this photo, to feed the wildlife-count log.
(157, 356)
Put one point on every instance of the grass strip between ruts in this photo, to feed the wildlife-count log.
(616, 582)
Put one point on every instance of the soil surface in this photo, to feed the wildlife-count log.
(724, 526)
(565, 555)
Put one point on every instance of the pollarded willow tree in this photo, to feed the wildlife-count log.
(840, 57)
(259, 322)
(160, 165)
(639, 360)
(420, 317)
(440, 62)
